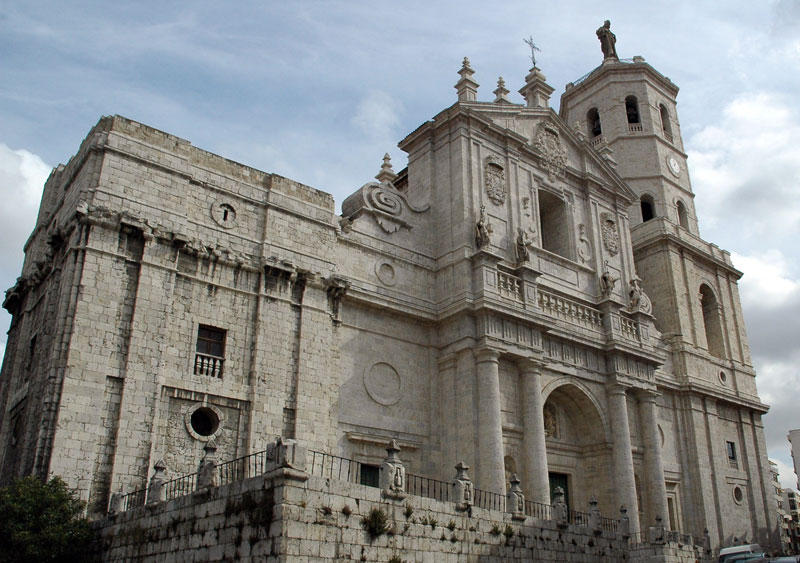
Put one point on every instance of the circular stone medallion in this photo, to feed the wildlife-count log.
(386, 273)
(382, 383)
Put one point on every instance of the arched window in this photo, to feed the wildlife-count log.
(555, 224)
(683, 218)
(632, 109)
(665, 125)
(648, 208)
(712, 322)
(593, 121)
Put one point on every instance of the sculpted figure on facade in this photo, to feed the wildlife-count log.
(482, 229)
(607, 283)
(523, 242)
(639, 301)
(608, 41)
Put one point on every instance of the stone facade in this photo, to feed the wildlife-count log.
(530, 295)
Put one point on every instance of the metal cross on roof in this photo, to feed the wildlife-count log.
(533, 47)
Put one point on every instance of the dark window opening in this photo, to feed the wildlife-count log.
(712, 324)
(210, 351)
(731, 448)
(554, 224)
(205, 421)
(370, 475)
(593, 120)
(632, 109)
(648, 208)
(683, 218)
(666, 128)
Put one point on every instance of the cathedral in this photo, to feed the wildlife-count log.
(529, 295)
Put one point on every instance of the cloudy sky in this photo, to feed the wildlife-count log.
(318, 91)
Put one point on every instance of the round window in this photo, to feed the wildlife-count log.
(723, 378)
(738, 495)
(203, 421)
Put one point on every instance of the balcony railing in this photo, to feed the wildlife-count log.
(568, 310)
(635, 127)
(208, 365)
(629, 328)
(509, 286)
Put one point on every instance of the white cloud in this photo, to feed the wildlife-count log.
(22, 176)
(786, 474)
(746, 169)
(377, 115)
(767, 280)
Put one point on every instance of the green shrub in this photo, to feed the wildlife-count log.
(42, 522)
(376, 523)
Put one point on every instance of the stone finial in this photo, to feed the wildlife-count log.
(501, 92)
(658, 532)
(467, 88)
(386, 174)
(207, 470)
(155, 489)
(463, 492)
(595, 518)
(515, 499)
(393, 473)
(624, 522)
(536, 90)
(115, 504)
(560, 510)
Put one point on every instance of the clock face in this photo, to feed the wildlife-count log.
(674, 166)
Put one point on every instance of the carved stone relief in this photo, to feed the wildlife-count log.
(608, 228)
(553, 152)
(385, 273)
(387, 205)
(495, 180)
(383, 383)
(584, 246)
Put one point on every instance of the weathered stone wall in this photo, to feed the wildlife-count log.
(283, 517)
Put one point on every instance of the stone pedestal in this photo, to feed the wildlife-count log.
(393, 474)
(463, 491)
(155, 490)
(515, 500)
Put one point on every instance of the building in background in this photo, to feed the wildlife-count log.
(794, 440)
(530, 295)
(784, 519)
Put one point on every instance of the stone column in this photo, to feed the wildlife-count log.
(623, 458)
(491, 470)
(533, 438)
(654, 466)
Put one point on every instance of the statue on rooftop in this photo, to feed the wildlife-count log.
(608, 41)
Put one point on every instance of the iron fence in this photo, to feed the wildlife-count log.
(246, 466)
(427, 487)
(180, 486)
(538, 510)
(332, 466)
(490, 500)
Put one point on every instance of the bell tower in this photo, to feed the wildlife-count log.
(629, 107)
(627, 111)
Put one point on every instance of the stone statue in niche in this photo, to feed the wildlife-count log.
(550, 423)
(608, 227)
(482, 229)
(495, 181)
(584, 247)
(607, 282)
(608, 41)
(523, 242)
(639, 301)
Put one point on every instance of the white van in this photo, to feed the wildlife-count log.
(740, 553)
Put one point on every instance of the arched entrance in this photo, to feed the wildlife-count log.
(578, 452)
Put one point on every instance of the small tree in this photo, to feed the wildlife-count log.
(42, 522)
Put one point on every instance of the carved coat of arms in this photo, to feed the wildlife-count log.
(495, 180)
(608, 228)
(553, 152)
